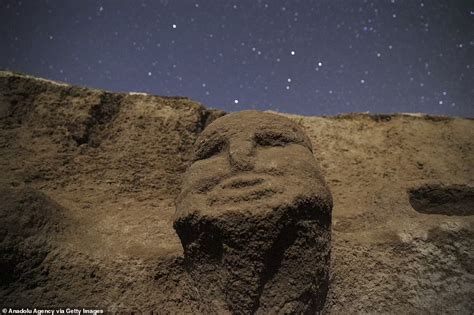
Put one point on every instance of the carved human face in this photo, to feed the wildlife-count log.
(250, 161)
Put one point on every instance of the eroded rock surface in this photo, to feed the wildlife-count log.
(443, 199)
(30, 223)
(254, 217)
(113, 162)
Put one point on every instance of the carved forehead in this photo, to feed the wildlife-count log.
(246, 124)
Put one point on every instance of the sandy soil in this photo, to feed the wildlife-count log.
(106, 168)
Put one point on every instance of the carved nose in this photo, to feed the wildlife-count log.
(241, 155)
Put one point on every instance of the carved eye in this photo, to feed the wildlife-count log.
(209, 148)
(274, 139)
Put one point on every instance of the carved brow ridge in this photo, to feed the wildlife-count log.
(208, 148)
(216, 143)
(270, 137)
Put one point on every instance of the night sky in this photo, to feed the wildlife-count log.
(304, 57)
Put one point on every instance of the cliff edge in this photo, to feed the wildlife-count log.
(92, 177)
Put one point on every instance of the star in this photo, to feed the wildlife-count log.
(216, 52)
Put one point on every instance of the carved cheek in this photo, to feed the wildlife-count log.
(202, 175)
(271, 160)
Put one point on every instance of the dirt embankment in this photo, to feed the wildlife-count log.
(93, 175)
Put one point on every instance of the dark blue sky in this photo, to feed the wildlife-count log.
(303, 57)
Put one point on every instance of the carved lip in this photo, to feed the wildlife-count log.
(238, 182)
(241, 196)
(244, 188)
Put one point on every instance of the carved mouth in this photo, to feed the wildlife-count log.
(243, 188)
(242, 196)
(236, 183)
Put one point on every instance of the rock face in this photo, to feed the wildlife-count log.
(254, 217)
(454, 200)
(31, 223)
(103, 171)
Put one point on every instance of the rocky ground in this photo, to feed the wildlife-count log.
(89, 180)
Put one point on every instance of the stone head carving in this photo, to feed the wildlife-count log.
(253, 208)
(250, 161)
